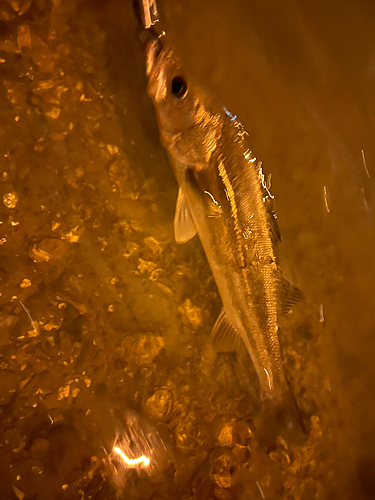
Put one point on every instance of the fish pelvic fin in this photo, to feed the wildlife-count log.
(225, 339)
(184, 227)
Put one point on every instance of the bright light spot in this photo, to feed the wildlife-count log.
(260, 489)
(249, 156)
(326, 199)
(321, 313)
(263, 181)
(269, 379)
(247, 233)
(132, 461)
(364, 163)
(212, 198)
(232, 117)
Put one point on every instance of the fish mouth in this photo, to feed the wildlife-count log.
(153, 49)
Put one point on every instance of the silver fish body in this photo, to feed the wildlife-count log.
(222, 197)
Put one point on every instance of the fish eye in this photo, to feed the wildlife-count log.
(178, 86)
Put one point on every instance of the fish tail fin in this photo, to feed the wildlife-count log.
(281, 418)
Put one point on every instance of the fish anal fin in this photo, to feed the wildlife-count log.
(224, 336)
(184, 227)
(290, 295)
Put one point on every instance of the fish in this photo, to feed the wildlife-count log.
(224, 197)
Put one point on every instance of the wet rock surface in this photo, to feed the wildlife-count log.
(104, 320)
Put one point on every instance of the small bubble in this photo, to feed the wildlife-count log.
(111, 308)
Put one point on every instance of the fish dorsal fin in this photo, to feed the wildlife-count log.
(184, 227)
(290, 295)
(268, 202)
(224, 336)
(272, 222)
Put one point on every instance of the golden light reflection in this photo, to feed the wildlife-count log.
(326, 199)
(132, 461)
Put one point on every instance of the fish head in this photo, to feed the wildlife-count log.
(189, 126)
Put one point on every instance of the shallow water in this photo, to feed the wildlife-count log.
(104, 319)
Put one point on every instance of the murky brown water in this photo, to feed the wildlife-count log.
(104, 319)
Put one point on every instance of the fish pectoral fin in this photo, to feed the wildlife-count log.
(290, 295)
(224, 336)
(184, 227)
